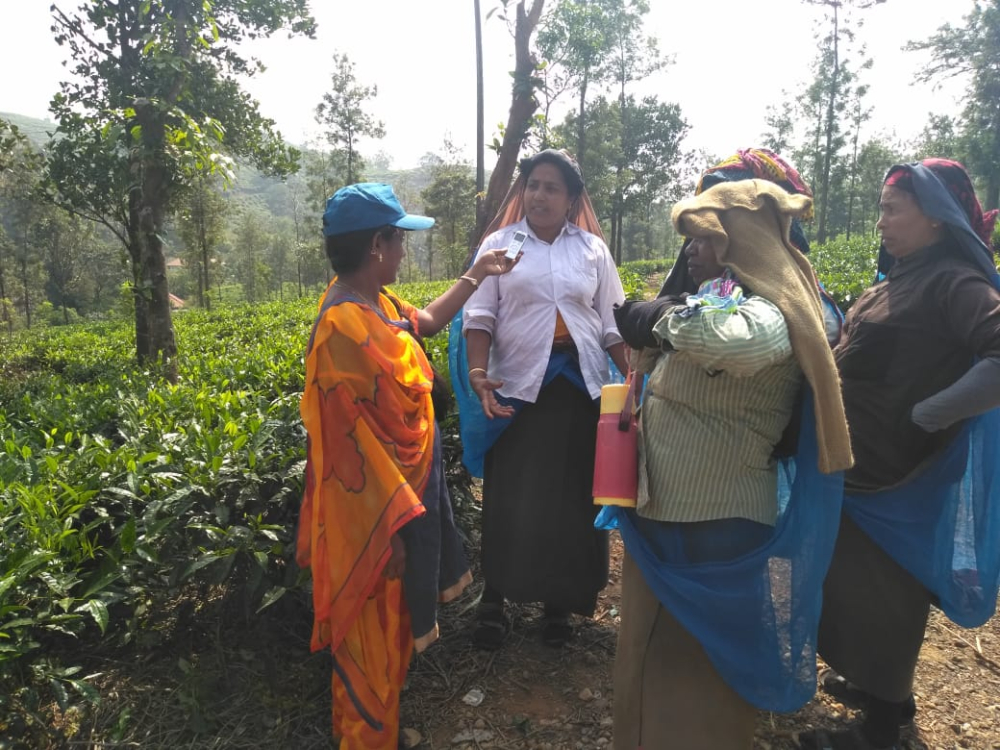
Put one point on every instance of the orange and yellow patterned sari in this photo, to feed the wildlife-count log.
(368, 414)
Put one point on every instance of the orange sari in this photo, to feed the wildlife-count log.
(368, 414)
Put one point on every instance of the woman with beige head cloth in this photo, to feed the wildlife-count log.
(726, 551)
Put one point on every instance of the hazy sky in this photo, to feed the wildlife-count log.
(734, 58)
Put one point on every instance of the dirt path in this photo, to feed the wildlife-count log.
(211, 676)
(537, 697)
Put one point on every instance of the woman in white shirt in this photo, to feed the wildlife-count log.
(538, 344)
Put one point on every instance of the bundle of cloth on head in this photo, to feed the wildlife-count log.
(757, 628)
(948, 541)
(747, 164)
(759, 164)
(479, 433)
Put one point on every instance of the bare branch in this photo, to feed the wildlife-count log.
(73, 26)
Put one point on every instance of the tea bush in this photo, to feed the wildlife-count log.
(646, 268)
(117, 487)
(846, 267)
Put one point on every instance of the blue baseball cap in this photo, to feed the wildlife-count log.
(367, 205)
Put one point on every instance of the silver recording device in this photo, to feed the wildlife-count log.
(514, 248)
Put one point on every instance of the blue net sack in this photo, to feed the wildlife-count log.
(757, 615)
(944, 525)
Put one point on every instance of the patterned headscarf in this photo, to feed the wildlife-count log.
(954, 177)
(745, 164)
(756, 163)
(944, 192)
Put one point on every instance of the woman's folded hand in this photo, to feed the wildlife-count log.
(635, 320)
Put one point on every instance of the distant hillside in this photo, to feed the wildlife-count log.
(251, 184)
(36, 130)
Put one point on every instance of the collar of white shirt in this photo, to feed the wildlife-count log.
(568, 228)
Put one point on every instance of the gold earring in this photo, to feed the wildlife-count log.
(380, 257)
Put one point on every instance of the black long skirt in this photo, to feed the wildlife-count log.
(539, 540)
(874, 616)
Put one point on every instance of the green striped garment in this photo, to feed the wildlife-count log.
(714, 409)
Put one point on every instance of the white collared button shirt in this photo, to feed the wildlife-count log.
(575, 275)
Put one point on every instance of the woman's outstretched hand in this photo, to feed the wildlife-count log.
(484, 387)
(493, 263)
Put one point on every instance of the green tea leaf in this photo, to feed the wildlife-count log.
(96, 609)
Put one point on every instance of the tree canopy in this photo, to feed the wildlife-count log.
(973, 51)
(153, 101)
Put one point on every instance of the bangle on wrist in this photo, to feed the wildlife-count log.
(471, 280)
(476, 369)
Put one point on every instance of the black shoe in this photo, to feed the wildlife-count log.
(556, 630)
(851, 695)
(491, 627)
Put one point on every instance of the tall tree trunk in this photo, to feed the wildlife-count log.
(203, 241)
(153, 190)
(522, 107)
(581, 121)
(249, 282)
(430, 254)
(298, 242)
(351, 179)
(817, 160)
(206, 297)
(830, 119)
(619, 171)
(854, 178)
(620, 237)
(140, 298)
(480, 110)
(24, 287)
(614, 232)
(993, 178)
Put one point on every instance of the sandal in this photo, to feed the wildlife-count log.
(840, 739)
(491, 627)
(837, 686)
(851, 695)
(556, 630)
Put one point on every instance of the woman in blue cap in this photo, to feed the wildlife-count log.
(376, 525)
